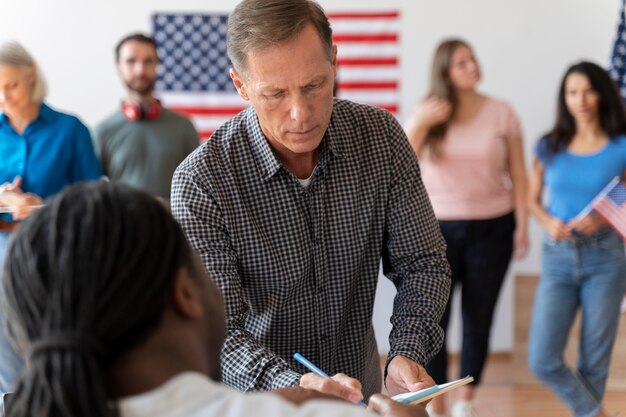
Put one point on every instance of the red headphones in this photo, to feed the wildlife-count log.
(136, 111)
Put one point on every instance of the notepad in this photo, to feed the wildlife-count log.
(13, 209)
(426, 394)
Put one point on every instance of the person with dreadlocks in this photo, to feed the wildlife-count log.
(110, 332)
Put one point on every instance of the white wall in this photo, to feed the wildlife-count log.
(523, 46)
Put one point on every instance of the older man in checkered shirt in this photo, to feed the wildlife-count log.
(293, 203)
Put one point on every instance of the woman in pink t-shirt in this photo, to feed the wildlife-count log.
(471, 156)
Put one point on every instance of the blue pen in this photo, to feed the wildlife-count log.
(309, 365)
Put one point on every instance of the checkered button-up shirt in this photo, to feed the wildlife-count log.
(298, 266)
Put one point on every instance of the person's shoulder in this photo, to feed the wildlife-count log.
(213, 154)
(619, 139)
(618, 142)
(543, 150)
(500, 105)
(110, 123)
(174, 117)
(497, 101)
(372, 134)
(61, 117)
(192, 392)
(271, 404)
(351, 111)
(355, 120)
(181, 123)
(62, 121)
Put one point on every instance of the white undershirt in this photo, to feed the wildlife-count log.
(305, 182)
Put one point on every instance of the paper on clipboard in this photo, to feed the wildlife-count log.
(426, 394)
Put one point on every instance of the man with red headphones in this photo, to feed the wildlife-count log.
(142, 142)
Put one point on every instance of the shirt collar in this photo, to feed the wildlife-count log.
(4, 120)
(187, 390)
(46, 114)
(268, 162)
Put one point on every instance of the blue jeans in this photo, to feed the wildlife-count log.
(11, 362)
(586, 273)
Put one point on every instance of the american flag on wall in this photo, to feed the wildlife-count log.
(617, 65)
(193, 75)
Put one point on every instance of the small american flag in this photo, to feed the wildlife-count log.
(610, 205)
(193, 77)
(617, 65)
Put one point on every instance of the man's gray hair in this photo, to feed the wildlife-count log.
(12, 53)
(258, 24)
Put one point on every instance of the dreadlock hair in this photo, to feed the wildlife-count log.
(87, 278)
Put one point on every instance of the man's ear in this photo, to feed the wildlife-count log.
(239, 84)
(118, 70)
(186, 295)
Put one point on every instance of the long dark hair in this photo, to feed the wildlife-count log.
(611, 110)
(86, 279)
(441, 87)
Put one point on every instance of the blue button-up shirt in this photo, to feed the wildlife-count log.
(53, 151)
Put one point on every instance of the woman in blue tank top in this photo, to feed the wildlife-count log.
(583, 266)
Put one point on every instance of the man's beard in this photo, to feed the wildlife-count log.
(146, 90)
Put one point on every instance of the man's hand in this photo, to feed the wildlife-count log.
(387, 407)
(340, 385)
(404, 375)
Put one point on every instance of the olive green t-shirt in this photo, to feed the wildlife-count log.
(144, 153)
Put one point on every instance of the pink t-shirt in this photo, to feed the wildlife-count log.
(471, 180)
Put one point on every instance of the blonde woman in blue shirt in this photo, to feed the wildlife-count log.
(583, 265)
(42, 150)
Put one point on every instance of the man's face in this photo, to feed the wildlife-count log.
(291, 88)
(137, 66)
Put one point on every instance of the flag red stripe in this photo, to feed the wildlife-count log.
(619, 221)
(612, 214)
(391, 85)
(217, 111)
(620, 231)
(391, 108)
(205, 134)
(378, 37)
(363, 15)
(367, 61)
(617, 214)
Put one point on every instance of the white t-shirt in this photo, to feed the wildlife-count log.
(192, 394)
